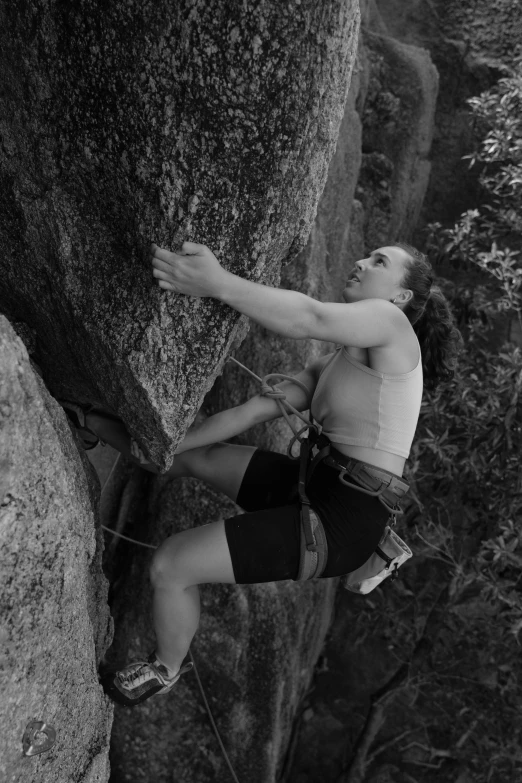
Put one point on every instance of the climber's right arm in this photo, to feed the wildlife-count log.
(228, 423)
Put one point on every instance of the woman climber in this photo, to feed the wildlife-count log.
(366, 396)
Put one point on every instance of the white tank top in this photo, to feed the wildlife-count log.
(358, 406)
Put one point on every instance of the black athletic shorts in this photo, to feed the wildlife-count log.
(264, 542)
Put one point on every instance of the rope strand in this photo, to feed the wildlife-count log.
(132, 540)
(209, 711)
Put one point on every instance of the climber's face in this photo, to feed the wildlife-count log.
(379, 276)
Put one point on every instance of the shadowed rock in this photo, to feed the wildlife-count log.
(397, 111)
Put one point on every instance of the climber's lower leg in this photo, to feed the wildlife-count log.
(176, 620)
(180, 564)
(183, 561)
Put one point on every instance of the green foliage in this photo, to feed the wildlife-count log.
(466, 523)
(490, 238)
(453, 624)
(466, 509)
(466, 469)
(446, 639)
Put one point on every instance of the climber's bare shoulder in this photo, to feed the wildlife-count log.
(373, 331)
(363, 324)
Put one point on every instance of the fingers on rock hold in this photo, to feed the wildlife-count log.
(191, 247)
(160, 253)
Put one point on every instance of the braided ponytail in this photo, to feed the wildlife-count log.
(432, 320)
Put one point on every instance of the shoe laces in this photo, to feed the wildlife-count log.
(139, 673)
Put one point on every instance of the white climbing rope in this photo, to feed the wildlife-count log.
(280, 397)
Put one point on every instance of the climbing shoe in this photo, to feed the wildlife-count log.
(77, 416)
(139, 681)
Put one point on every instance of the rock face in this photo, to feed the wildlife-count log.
(153, 121)
(397, 116)
(467, 41)
(54, 621)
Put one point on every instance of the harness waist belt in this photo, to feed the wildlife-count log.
(388, 487)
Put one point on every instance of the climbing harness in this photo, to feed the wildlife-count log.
(373, 481)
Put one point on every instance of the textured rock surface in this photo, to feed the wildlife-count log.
(379, 174)
(323, 266)
(467, 42)
(492, 29)
(398, 108)
(131, 122)
(54, 621)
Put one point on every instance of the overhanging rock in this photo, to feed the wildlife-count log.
(134, 122)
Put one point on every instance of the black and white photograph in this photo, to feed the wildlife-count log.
(261, 391)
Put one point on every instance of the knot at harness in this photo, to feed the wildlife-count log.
(268, 390)
(386, 486)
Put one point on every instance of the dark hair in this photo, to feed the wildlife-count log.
(430, 315)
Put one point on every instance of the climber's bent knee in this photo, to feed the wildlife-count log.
(194, 462)
(195, 556)
(221, 465)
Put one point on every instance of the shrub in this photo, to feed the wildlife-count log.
(466, 461)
